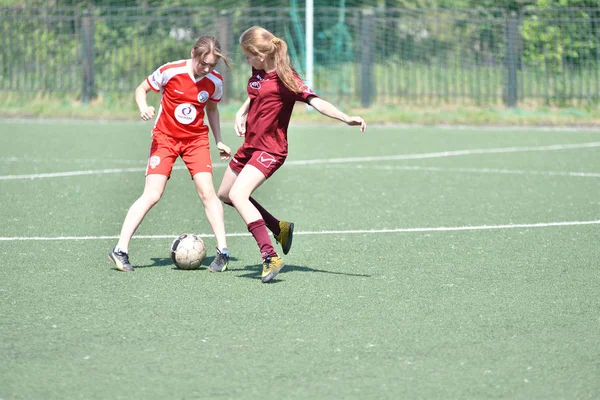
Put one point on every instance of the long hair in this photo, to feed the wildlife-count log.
(209, 45)
(259, 41)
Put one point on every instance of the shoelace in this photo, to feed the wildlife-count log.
(220, 253)
(221, 258)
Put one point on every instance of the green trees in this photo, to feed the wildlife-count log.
(549, 46)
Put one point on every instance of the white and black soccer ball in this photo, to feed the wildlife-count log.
(188, 251)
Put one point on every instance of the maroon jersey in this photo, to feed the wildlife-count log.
(271, 106)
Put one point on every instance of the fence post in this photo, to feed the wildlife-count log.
(224, 36)
(88, 90)
(512, 49)
(366, 59)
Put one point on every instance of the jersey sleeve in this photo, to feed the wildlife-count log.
(218, 94)
(155, 80)
(305, 92)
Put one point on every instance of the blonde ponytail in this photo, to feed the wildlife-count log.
(258, 40)
(285, 70)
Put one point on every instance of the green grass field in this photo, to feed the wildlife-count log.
(428, 263)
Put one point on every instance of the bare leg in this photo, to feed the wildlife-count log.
(248, 180)
(153, 190)
(229, 179)
(238, 190)
(212, 206)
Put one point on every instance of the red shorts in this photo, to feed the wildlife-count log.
(194, 152)
(265, 162)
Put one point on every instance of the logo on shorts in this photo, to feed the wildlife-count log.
(266, 159)
(154, 161)
(203, 96)
(254, 85)
(185, 113)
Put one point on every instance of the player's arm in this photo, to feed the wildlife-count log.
(331, 111)
(146, 111)
(214, 120)
(240, 118)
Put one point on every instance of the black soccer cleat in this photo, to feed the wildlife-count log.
(221, 261)
(121, 260)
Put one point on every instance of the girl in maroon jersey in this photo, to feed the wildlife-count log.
(263, 120)
(189, 88)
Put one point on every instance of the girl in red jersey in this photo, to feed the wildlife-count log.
(190, 88)
(263, 120)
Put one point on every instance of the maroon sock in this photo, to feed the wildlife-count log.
(259, 231)
(270, 221)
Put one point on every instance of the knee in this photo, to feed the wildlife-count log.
(236, 197)
(206, 193)
(152, 196)
(224, 196)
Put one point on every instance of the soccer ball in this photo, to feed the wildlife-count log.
(188, 251)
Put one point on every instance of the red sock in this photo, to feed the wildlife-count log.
(271, 222)
(258, 229)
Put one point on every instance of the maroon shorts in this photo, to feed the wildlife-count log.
(265, 162)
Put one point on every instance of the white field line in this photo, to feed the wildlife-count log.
(71, 173)
(331, 160)
(17, 160)
(449, 153)
(334, 232)
(480, 170)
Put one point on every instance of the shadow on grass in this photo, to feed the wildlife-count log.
(167, 262)
(255, 271)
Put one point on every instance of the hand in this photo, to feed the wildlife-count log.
(224, 151)
(147, 113)
(240, 125)
(353, 121)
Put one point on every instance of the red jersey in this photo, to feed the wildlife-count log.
(270, 110)
(181, 113)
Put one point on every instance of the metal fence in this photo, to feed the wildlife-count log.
(363, 57)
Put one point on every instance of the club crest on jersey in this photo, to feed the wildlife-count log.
(266, 159)
(202, 96)
(254, 85)
(304, 88)
(154, 161)
(185, 113)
